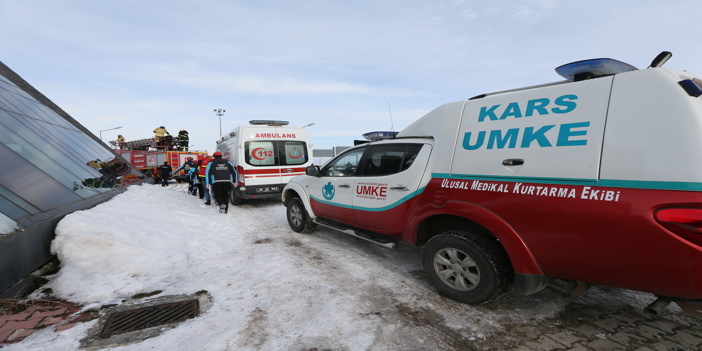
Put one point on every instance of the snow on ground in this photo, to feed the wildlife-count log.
(271, 288)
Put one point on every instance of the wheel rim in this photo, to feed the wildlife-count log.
(456, 269)
(296, 215)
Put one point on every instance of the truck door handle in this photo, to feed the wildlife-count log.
(344, 186)
(513, 162)
(288, 170)
(403, 188)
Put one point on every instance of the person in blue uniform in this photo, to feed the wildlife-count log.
(219, 176)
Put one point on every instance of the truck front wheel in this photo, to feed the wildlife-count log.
(467, 268)
(298, 219)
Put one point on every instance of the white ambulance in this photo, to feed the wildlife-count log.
(266, 154)
(595, 179)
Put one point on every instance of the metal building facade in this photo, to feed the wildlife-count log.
(51, 166)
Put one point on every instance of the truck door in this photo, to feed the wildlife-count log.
(262, 159)
(294, 157)
(331, 194)
(388, 183)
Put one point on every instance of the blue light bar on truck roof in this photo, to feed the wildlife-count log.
(268, 122)
(580, 70)
(373, 136)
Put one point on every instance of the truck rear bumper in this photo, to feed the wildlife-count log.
(263, 191)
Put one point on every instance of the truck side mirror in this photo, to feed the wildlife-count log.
(312, 171)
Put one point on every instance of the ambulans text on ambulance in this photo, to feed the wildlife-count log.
(274, 136)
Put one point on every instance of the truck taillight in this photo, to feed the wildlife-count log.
(240, 173)
(685, 222)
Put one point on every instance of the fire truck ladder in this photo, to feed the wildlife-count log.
(174, 159)
(140, 144)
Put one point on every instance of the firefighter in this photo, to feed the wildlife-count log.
(202, 168)
(186, 166)
(183, 140)
(120, 142)
(159, 133)
(220, 175)
(165, 171)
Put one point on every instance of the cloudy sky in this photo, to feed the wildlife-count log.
(350, 67)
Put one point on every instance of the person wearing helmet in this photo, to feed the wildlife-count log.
(159, 133)
(186, 167)
(120, 141)
(219, 176)
(183, 140)
(165, 171)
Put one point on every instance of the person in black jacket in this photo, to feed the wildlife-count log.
(165, 171)
(220, 175)
(183, 140)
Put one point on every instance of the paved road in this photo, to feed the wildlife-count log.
(585, 324)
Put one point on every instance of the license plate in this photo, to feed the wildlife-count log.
(268, 189)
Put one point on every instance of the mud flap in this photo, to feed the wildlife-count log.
(527, 284)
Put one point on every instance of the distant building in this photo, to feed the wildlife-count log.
(51, 166)
(321, 156)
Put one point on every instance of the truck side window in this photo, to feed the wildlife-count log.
(390, 159)
(344, 166)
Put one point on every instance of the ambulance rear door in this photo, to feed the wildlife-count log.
(272, 156)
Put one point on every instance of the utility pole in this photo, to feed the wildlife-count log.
(220, 112)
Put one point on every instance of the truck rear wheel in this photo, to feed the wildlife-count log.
(467, 268)
(298, 218)
(235, 200)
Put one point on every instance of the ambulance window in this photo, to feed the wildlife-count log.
(410, 156)
(344, 166)
(390, 159)
(260, 153)
(295, 152)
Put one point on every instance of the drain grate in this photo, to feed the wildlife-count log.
(147, 317)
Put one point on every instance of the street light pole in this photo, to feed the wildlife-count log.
(220, 112)
(104, 130)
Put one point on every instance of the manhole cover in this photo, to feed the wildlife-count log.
(147, 317)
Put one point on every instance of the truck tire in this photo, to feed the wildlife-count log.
(466, 267)
(298, 219)
(235, 200)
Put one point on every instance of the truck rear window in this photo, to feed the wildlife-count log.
(266, 153)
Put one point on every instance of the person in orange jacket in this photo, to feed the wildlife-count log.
(201, 178)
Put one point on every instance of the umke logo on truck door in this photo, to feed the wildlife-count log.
(569, 134)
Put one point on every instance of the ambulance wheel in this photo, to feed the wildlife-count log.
(298, 219)
(467, 268)
(235, 200)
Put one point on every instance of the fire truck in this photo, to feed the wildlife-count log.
(146, 155)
